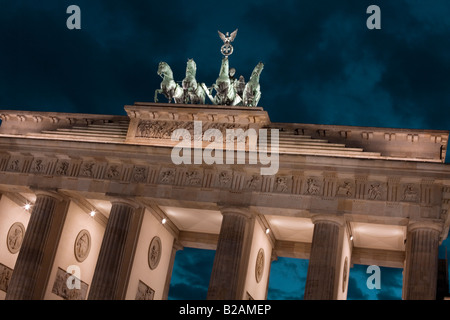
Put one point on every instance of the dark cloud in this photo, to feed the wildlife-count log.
(287, 279)
(191, 273)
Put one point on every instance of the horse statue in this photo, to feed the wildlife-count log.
(252, 92)
(193, 92)
(169, 87)
(225, 90)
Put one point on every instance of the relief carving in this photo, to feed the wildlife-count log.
(63, 166)
(259, 266)
(82, 245)
(154, 252)
(61, 289)
(14, 165)
(374, 192)
(144, 292)
(193, 178)
(225, 178)
(163, 130)
(312, 187)
(87, 168)
(5, 277)
(113, 172)
(139, 174)
(15, 237)
(410, 193)
(38, 166)
(281, 184)
(254, 182)
(345, 190)
(167, 176)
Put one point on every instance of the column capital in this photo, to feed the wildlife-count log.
(236, 210)
(339, 220)
(414, 225)
(49, 193)
(126, 201)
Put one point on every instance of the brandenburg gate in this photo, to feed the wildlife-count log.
(96, 206)
(100, 195)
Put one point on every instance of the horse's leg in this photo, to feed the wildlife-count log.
(157, 91)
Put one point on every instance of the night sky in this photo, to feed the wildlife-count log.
(322, 65)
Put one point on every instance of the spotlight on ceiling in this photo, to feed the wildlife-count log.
(27, 206)
(163, 221)
(92, 213)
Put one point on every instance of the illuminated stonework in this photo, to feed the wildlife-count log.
(342, 195)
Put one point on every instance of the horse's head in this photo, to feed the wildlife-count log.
(191, 68)
(257, 70)
(163, 69)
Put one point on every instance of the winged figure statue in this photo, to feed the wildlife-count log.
(227, 38)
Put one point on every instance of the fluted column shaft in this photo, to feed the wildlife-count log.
(26, 272)
(224, 282)
(323, 261)
(421, 268)
(107, 271)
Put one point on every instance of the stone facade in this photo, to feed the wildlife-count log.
(110, 182)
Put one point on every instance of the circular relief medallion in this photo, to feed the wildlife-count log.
(154, 252)
(345, 275)
(15, 237)
(82, 245)
(259, 266)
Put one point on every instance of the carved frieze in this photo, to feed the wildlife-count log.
(38, 166)
(60, 287)
(139, 174)
(376, 191)
(193, 178)
(14, 165)
(157, 129)
(410, 193)
(346, 189)
(167, 176)
(62, 168)
(282, 184)
(253, 182)
(313, 186)
(144, 292)
(87, 169)
(5, 277)
(224, 179)
(113, 172)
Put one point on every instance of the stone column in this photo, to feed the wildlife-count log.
(324, 262)
(176, 246)
(106, 279)
(421, 265)
(38, 247)
(229, 262)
